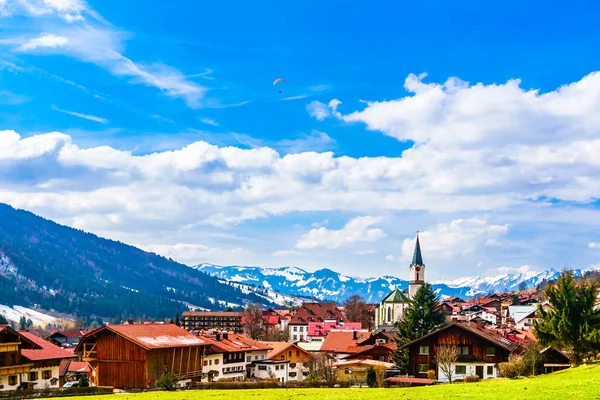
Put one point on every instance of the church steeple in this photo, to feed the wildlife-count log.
(417, 270)
(417, 257)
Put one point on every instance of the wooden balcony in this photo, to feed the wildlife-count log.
(15, 369)
(9, 347)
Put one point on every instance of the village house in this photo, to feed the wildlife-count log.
(213, 320)
(231, 356)
(521, 315)
(297, 358)
(356, 369)
(66, 338)
(313, 312)
(46, 362)
(317, 331)
(14, 368)
(136, 356)
(342, 343)
(479, 351)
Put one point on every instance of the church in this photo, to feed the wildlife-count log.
(393, 305)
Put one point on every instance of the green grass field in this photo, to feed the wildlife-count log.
(574, 384)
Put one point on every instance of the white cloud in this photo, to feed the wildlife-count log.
(457, 238)
(512, 270)
(317, 110)
(356, 230)
(191, 254)
(319, 224)
(209, 121)
(391, 257)
(84, 116)
(286, 253)
(94, 41)
(594, 245)
(313, 141)
(46, 40)
(365, 252)
(12, 99)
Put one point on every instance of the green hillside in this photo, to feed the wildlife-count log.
(574, 384)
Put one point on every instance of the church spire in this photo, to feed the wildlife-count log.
(417, 257)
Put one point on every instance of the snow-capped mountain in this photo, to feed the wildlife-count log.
(327, 284)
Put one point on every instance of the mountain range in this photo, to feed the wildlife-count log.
(327, 284)
(52, 267)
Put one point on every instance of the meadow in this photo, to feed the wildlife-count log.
(573, 384)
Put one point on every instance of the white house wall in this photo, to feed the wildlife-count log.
(470, 370)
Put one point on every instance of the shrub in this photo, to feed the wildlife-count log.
(471, 378)
(371, 378)
(167, 382)
(514, 368)
(83, 382)
(431, 374)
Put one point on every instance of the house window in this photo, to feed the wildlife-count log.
(347, 371)
(277, 368)
(297, 353)
(282, 358)
(423, 368)
(301, 329)
(490, 351)
(53, 381)
(249, 358)
(32, 376)
(490, 370)
(460, 369)
(423, 350)
(293, 374)
(205, 363)
(292, 365)
(289, 353)
(295, 329)
(462, 350)
(255, 358)
(12, 380)
(295, 337)
(262, 367)
(389, 314)
(46, 374)
(217, 361)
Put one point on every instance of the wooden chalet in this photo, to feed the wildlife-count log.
(136, 356)
(13, 367)
(553, 360)
(479, 351)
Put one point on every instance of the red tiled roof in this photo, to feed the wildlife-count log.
(317, 312)
(27, 343)
(47, 350)
(234, 342)
(323, 328)
(365, 350)
(156, 336)
(63, 366)
(79, 366)
(343, 341)
(72, 333)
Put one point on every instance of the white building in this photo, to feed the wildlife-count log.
(272, 369)
(460, 370)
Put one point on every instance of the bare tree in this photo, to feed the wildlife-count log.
(445, 357)
(357, 310)
(532, 356)
(254, 321)
(278, 335)
(380, 374)
(321, 368)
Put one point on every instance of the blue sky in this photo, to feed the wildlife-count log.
(158, 124)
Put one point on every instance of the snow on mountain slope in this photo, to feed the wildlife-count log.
(325, 284)
(14, 314)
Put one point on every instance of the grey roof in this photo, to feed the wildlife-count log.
(417, 256)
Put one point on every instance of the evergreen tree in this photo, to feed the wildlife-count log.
(423, 315)
(371, 377)
(177, 321)
(3, 320)
(22, 323)
(572, 323)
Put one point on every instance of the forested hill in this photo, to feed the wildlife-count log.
(67, 270)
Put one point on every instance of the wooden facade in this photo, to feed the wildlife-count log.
(12, 364)
(123, 362)
(475, 346)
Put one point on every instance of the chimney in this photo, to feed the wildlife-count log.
(218, 336)
(354, 335)
(225, 335)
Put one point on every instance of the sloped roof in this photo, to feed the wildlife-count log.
(417, 256)
(485, 334)
(310, 346)
(71, 333)
(79, 366)
(517, 313)
(152, 336)
(317, 312)
(396, 296)
(323, 328)
(47, 350)
(279, 347)
(342, 341)
(25, 341)
(369, 349)
(234, 343)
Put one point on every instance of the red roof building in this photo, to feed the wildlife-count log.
(319, 330)
(313, 312)
(344, 343)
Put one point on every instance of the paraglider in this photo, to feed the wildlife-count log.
(279, 80)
